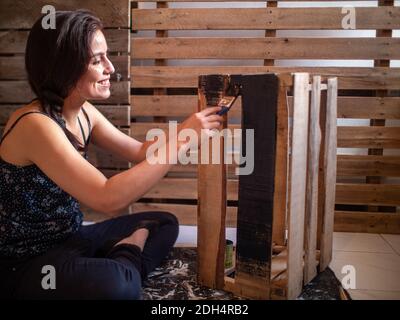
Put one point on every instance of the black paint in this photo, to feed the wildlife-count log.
(256, 191)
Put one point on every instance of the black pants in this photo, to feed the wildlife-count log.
(86, 269)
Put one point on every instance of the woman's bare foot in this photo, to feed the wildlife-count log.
(137, 238)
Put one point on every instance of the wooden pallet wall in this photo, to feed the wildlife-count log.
(159, 69)
(169, 52)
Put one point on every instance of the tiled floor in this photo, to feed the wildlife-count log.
(374, 259)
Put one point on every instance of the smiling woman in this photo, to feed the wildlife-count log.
(65, 64)
(43, 177)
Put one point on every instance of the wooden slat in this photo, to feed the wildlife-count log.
(15, 92)
(366, 165)
(211, 212)
(186, 214)
(380, 33)
(140, 129)
(270, 32)
(311, 212)
(184, 188)
(103, 159)
(14, 41)
(347, 166)
(297, 185)
(260, 18)
(240, 0)
(172, 106)
(279, 264)
(369, 107)
(184, 105)
(20, 92)
(13, 68)
(265, 48)
(118, 40)
(117, 115)
(376, 222)
(372, 194)
(186, 77)
(368, 137)
(19, 14)
(329, 172)
(281, 170)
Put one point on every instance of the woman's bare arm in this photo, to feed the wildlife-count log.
(48, 147)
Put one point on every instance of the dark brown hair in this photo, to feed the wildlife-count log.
(55, 59)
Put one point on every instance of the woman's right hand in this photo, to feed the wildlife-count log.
(205, 119)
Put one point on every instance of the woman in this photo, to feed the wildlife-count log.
(44, 175)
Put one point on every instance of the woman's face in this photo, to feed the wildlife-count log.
(95, 83)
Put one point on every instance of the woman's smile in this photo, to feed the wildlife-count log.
(104, 83)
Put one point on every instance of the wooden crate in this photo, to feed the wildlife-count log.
(302, 202)
(166, 63)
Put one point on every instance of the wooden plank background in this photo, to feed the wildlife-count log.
(152, 90)
(356, 85)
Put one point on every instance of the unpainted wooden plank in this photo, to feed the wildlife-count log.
(211, 208)
(186, 214)
(13, 67)
(20, 14)
(184, 105)
(330, 148)
(233, 0)
(366, 165)
(380, 33)
(279, 264)
(372, 194)
(369, 107)
(14, 92)
(368, 137)
(297, 185)
(369, 222)
(14, 41)
(281, 170)
(260, 18)
(265, 48)
(103, 159)
(172, 106)
(139, 130)
(311, 212)
(186, 77)
(117, 115)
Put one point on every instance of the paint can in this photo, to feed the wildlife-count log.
(228, 254)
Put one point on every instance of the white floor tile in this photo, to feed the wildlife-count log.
(360, 242)
(374, 295)
(393, 240)
(373, 271)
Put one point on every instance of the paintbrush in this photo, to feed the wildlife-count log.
(227, 101)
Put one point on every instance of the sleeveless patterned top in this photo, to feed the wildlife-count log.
(35, 214)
